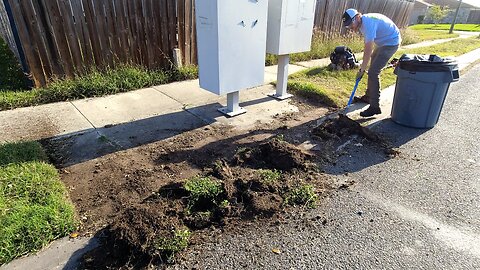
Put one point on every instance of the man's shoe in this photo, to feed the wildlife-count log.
(370, 111)
(363, 99)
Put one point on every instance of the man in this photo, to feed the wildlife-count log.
(382, 38)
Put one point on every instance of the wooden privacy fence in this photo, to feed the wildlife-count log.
(66, 37)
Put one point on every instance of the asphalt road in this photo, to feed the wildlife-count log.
(420, 210)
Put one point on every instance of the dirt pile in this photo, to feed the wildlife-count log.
(342, 126)
(251, 183)
(275, 154)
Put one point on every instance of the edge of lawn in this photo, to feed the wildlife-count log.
(34, 205)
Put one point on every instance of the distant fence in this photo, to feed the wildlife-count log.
(61, 38)
(329, 12)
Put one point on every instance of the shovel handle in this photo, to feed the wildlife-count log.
(353, 92)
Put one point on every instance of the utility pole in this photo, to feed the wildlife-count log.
(455, 18)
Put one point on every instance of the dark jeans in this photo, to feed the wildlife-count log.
(380, 57)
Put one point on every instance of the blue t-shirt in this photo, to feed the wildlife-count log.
(380, 29)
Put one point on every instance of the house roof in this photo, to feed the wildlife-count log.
(449, 3)
(421, 2)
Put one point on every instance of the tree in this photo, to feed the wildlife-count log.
(437, 13)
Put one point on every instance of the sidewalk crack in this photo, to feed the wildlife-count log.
(94, 127)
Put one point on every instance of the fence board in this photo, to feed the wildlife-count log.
(32, 58)
(172, 26)
(165, 29)
(194, 36)
(188, 36)
(92, 32)
(6, 32)
(40, 40)
(58, 30)
(181, 28)
(71, 33)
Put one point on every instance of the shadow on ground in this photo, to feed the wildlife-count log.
(359, 154)
(70, 149)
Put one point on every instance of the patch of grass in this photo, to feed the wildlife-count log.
(203, 192)
(452, 48)
(321, 48)
(11, 74)
(34, 209)
(21, 152)
(303, 195)
(458, 27)
(411, 36)
(333, 88)
(169, 246)
(94, 84)
(269, 176)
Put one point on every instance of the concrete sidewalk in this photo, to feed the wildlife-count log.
(172, 109)
(189, 105)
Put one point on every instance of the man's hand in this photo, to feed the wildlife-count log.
(360, 74)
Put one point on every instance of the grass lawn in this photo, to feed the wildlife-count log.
(458, 27)
(95, 83)
(34, 209)
(411, 36)
(323, 48)
(333, 88)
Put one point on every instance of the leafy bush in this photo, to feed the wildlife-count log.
(11, 74)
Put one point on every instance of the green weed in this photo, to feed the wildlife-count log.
(269, 176)
(203, 192)
(302, 195)
(169, 246)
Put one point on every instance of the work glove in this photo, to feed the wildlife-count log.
(360, 74)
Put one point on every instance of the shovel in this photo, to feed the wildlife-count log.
(351, 96)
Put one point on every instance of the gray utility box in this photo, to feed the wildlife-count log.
(421, 89)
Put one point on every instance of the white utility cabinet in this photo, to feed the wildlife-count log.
(231, 38)
(290, 29)
(290, 26)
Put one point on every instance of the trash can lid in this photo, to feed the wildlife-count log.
(426, 63)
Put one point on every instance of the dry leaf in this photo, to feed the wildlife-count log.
(276, 250)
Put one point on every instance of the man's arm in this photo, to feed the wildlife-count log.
(367, 54)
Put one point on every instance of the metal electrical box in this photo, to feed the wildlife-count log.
(290, 26)
(231, 38)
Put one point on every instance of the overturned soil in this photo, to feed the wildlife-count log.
(134, 199)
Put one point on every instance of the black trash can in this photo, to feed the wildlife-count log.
(421, 87)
